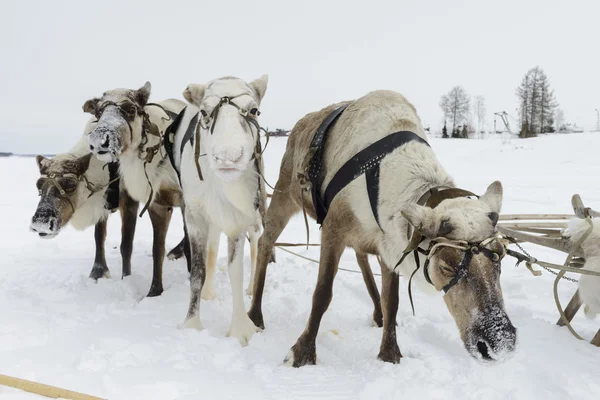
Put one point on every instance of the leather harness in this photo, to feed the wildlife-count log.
(367, 162)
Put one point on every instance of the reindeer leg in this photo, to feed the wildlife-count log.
(254, 234)
(208, 290)
(278, 215)
(242, 326)
(389, 350)
(197, 230)
(178, 251)
(100, 269)
(160, 217)
(367, 273)
(304, 351)
(128, 209)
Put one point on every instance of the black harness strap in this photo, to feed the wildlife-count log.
(189, 133)
(372, 177)
(317, 146)
(170, 138)
(365, 162)
(112, 192)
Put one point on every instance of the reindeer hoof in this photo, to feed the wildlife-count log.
(155, 290)
(243, 329)
(176, 253)
(257, 318)
(377, 318)
(301, 355)
(99, 271)
(192, 323)
(208, 293)
(390, 354)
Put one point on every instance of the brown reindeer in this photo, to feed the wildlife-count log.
(78, 189)
(377, 179)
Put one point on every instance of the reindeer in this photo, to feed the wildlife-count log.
(375, 181)
(217, 155)
(130, 130)
(79, 189)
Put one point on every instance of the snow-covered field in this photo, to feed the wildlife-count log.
(106, 339)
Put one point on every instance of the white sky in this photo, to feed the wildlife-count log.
(57, 54)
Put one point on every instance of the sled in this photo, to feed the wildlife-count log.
(546, 230)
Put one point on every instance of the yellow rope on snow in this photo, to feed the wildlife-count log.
(43, 390)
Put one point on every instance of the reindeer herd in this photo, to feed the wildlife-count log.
(363, 169)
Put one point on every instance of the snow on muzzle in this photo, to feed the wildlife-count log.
(106, 140)
(46, 221)
(491, 336)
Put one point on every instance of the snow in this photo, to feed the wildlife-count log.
(106, 339)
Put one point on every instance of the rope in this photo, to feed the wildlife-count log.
(317, 261)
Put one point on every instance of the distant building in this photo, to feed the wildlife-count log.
(3, 154)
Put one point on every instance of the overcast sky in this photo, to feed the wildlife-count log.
(57, 54)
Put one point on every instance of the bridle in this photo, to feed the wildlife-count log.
(146, 154)
(209, 121)
(432, 198)
(52, 180)
(469, 249)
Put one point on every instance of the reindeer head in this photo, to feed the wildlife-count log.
(120, 121)
(464, 261)
(61, 190)
(229, 131)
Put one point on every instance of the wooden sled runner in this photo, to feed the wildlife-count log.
(546, 230)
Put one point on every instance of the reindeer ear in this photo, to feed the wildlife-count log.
(143, 94)
(83, 163)
(422, 219)
(260, 86)
(90, 105)
(493, 197)
(42, 162)
(194, 93)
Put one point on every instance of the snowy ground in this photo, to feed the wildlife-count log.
(106, 339)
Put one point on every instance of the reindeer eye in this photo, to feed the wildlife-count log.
(128, 109)
(255, 112)
(68, 184)
(447, 270)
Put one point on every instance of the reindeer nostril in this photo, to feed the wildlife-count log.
(51, 225)
(91, 147)
(482, 347)
(105, 143)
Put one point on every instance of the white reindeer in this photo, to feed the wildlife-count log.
(217, 146)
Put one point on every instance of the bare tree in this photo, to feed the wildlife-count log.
(455, 105)
(479, 111)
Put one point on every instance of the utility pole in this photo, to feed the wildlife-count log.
(597, 121)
